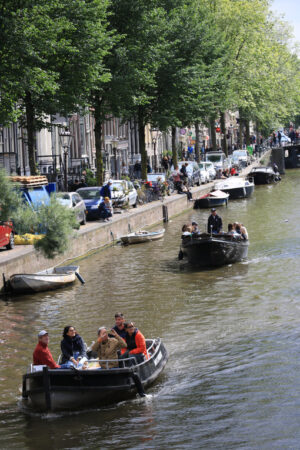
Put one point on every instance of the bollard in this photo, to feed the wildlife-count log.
(165, 213)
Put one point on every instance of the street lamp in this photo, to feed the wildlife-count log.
(114, 143)
(65, 137)
(154, 136)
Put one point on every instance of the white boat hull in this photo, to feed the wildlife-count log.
(45, 280)
(137, 238)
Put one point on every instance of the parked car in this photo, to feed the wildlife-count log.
(241, 158)
(123, 192)
(92, 199)
(73, 201)
(193, 172)
(218, 159)
(7, 237)
(209, 167)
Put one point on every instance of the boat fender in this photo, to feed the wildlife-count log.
(180, 255)
(80, 278)
(138, 384)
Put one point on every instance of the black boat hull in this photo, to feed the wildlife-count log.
(59, 389)
(239, 192)
(263, 178)
(214, 251)
(210, 202)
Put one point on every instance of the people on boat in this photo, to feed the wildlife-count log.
(136, 343)
(186, 230)
(105, 209)
(119, 325)
(107, 347)
(195, 229)
(214, 224)
(244, 231)
(42, 355)
(72, 348)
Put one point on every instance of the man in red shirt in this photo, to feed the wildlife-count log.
(42, 355)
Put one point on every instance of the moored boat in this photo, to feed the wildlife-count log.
(142, 236)
(207, 250)
(62, 389)
(45, 280)
(264, 175)
(236, 187)
(212, 200)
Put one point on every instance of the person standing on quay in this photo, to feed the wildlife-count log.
(214, 224)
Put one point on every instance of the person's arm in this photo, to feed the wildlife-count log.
(96, 346)
(121, 343)
(82, 351)
(140, 345)
(65, 350)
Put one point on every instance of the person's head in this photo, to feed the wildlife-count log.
(43, 337)
(102, 333)
(76, 181)
(109, 182)
(129, 328)
(235, 225)
(106, 199)
(176, 168)
(186, 164)
(194, 225)
(238, 228)
(184, 228)
(69, 331)
(119, 319)
(213, 211)
(230, 227)
(82, 180)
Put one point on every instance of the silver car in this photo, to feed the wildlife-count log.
(73, 201)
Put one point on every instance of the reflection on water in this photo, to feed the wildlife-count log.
(232, 334)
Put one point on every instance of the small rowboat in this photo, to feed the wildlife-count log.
(45, 280)
(142, 236)
(67, 389)
(212, 200)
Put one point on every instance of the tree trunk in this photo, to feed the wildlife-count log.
(143, 150)
(98, 142)
(257, 133)
(174, 148)
(247, 124)
(241, 140)
(223, 130)
(197, 143)
(30, 126)
(213, 134)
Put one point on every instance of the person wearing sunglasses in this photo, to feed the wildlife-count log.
(136, 343)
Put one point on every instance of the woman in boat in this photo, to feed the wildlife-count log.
(136, 343)
(72, 347)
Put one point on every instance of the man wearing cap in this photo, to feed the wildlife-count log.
(42, 355)
(214, 224)
(105, 191)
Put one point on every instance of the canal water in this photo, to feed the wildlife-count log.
(233, 336)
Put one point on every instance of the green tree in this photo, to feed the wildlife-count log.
(55, 51)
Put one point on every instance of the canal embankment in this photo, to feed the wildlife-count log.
(96, 235)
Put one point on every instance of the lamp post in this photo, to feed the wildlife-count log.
(114, 143)
(65, 142)
(231, 136)
(154, 136)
